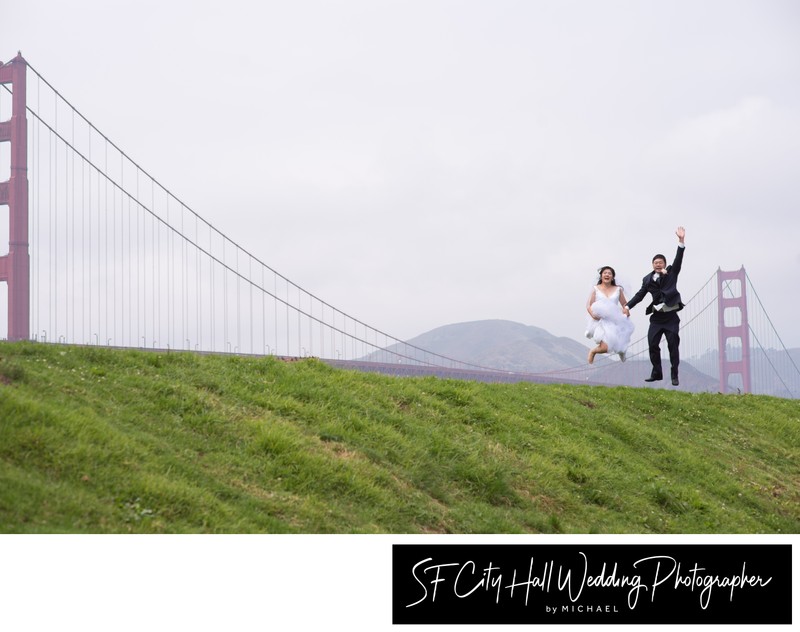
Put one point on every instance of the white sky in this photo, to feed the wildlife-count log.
(421, 163)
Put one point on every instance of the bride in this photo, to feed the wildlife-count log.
(608, 326)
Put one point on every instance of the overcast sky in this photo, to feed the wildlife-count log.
(422, 163)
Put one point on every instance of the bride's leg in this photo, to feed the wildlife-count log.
(601, 348)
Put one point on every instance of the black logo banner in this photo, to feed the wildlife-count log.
(582, 584)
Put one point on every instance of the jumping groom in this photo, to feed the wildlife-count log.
(662, 284)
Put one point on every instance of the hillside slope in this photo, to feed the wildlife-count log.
(98, 440)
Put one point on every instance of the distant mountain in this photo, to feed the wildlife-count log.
(504, 345)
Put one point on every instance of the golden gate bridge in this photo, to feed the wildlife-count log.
(102, 253)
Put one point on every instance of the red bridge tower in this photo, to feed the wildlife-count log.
(15, 266)
(733, 326)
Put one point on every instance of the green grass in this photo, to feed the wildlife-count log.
(96, 440)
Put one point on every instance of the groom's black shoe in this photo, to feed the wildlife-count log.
(675, 380)
(654, 378)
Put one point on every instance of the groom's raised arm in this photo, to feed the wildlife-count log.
(678, 261)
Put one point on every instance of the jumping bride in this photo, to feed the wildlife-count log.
(608, 326)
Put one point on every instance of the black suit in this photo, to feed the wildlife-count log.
(663, 322)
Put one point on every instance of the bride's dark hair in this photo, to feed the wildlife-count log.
(613, 275)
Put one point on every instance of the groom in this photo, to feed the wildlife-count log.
(662, 284)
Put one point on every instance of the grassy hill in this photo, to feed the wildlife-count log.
(100, 440)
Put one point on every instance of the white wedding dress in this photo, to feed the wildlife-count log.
(613, 328)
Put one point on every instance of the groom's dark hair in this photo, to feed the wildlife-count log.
(660, 257)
